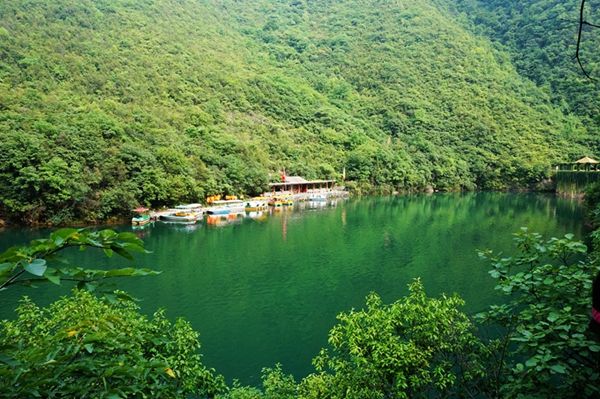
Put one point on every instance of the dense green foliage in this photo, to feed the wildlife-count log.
(417, 346)
(84, 347)
(541, 38)
(105, 105)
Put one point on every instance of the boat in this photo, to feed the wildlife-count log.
(256, 204)
(142, 218)
(281, 201)
(212, 198)
(190, 207)
(180, 216)
(225, 207)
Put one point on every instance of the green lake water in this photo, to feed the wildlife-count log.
(267, 290)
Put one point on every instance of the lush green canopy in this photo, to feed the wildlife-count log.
(86, 347)
(541, 37)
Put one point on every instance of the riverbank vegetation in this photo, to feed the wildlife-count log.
(107, 105)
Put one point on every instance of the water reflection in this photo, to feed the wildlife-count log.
(224, 220)
(257, 215)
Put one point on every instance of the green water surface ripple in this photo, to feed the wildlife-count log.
(267, 289)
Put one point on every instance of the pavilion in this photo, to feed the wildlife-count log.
(297, 184)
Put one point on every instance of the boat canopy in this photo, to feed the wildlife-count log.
(188, 206)
(227, 202)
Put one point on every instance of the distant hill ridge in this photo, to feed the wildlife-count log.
(105, 105)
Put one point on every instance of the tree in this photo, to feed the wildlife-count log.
(417, 346)
(86, 347)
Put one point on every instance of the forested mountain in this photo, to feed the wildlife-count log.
(541, 38)
(107, 104)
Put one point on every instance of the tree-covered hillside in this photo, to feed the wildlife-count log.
(541, 37)
(106, 104)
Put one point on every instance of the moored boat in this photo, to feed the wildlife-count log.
(275, 202)
(190, 207)
(281, 201)
(226, 207)
(142, 218)
(255, 204)
(181, 217)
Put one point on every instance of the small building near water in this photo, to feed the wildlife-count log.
(297, 185)
(573, 178)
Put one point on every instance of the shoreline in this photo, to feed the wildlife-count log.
(124, 220)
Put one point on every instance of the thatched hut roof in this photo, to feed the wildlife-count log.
(586, 160)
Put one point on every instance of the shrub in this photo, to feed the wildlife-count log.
(86, 347)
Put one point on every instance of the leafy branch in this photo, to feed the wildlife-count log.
(545, 316)
(29, 264)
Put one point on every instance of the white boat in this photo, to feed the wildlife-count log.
(142, 217)
(141, 220)
(181, 216)
(256, 204)
(190, 207)
(226, 207)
